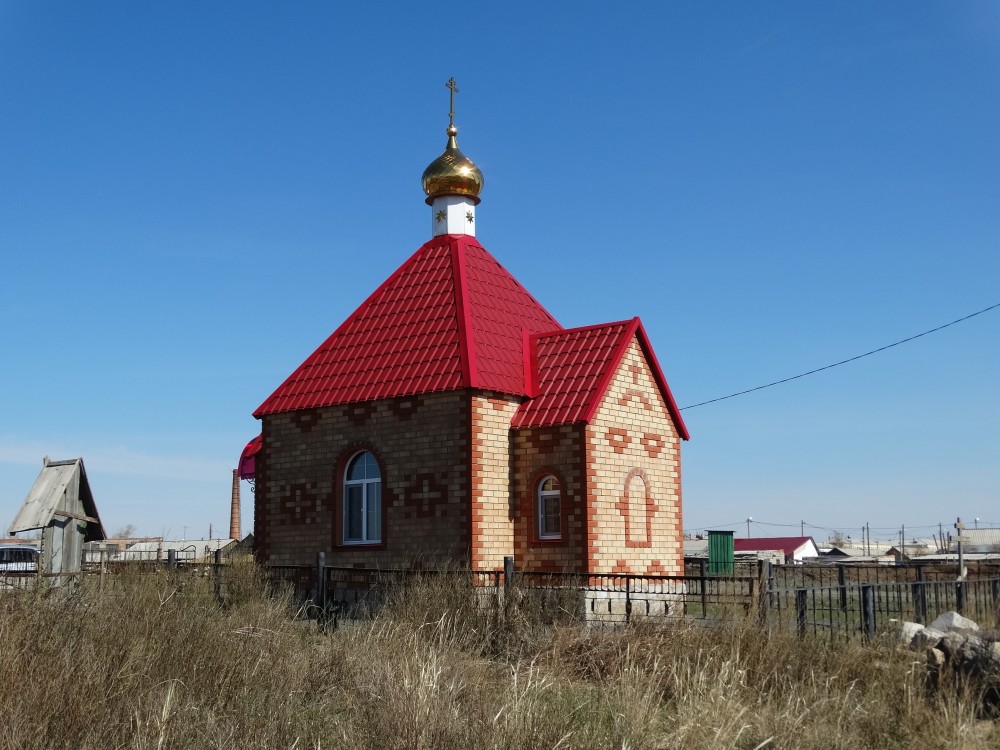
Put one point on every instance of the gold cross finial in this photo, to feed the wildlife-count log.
(454, 90)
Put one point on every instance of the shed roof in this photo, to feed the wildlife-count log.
(450, 317)
(60, 490)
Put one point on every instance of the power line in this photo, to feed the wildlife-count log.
(843, 361)
(833, 529)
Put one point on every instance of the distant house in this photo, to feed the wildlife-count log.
(112, 548)
(695, 547)
(794, 549)
(185, 550)
(980, 542)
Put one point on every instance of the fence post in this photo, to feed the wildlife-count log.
(104, 566)
(321, 584)
(960, 597)
(920, 602)
(868, 610)
(842, 583)
(508, 571)
(703, 583)
(995, 594)
(171, 558)
(216, 575)
(628, 599)
(800, 611)
(764, 578)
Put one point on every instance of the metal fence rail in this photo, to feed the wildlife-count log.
(608, 598)
(838, 600)
(867, 608)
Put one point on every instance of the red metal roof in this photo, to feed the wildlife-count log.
(450, 317)
(574, 369)
(569, 366)
(785, 544)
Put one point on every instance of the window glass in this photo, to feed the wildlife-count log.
(354, 501)
(363, 500)
(549, 508)
(374, 510)
(364, 466)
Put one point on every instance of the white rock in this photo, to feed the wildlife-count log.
(954, 622)
(908, 630)
(926, 637)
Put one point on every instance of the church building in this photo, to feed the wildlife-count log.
(451, 417)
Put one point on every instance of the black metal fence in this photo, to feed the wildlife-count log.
(838, 600)
(847, 600)
(866, 608)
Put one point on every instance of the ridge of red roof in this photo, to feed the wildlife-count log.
(450, 317)
(574, 369)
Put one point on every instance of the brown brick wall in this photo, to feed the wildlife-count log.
(633, 477)
(538, 452)
(422, 444)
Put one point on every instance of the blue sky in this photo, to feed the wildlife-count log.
(194, 195)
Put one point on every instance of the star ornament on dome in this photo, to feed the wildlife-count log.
(440, 215)
(469, 217)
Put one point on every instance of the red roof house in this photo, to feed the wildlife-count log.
(794, 548)
(452, 416)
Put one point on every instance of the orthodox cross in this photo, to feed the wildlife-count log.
(454, 90)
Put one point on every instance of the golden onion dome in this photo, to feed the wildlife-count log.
(452, 173)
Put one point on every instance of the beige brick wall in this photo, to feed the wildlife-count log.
(423, 446)
(492, 511)
(633, 477)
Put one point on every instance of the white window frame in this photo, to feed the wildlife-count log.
(541, 496)
(366, 486)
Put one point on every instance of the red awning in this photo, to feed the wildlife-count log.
(248, 459)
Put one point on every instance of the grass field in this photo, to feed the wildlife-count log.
(153, 660)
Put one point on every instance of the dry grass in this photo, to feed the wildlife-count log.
(153, 661)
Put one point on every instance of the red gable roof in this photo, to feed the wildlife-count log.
(574, 368)
(450, 317)
(786, 544)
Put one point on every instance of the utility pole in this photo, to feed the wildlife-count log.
(802, 528)
(960, 527)
(869, 529)
(902, 539)
(749, 519)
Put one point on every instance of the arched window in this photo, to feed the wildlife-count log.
(549, 509)
(363, 500)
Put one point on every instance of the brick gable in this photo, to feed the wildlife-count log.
(633, 474)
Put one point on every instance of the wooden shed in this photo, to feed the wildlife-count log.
(60, 505)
